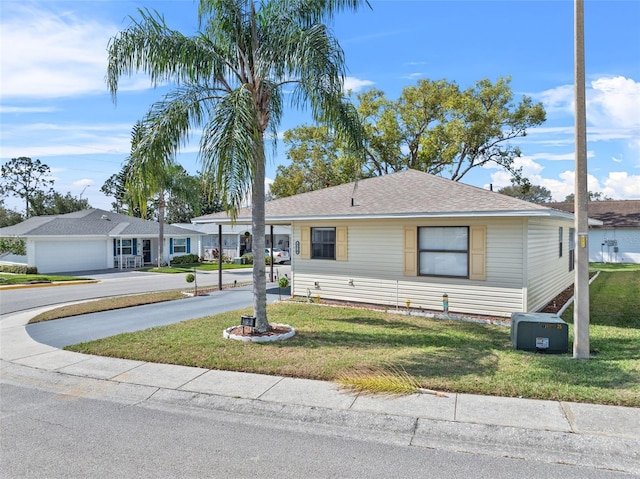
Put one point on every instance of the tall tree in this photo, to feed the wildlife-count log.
(591, 196)
(231, 79)
(115, 187)
(317, 160)
(54, 203)
(528, 192)
(23, 177)
(153, 177)
(433, 127)
(8, 217)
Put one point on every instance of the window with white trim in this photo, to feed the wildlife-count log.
(180, 245)
(572, 248)
(124, 246)
(560, 234)
(443, 251)
(323, 243)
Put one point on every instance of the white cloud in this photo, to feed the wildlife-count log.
(84, 182)
(557, 99)
(616, 185)
(355, 84)
(30, 109)
(51, 55)
(621, 185)
(615, 102)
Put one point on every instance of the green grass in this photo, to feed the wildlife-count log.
(188, 268)
(107, 304)
(334, 343)
(12, 279)
(613, 267)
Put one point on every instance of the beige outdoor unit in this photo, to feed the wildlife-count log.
(539, 332)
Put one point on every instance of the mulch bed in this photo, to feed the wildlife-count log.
(275, 330)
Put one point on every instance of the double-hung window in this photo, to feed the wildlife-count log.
(179, 245)
(560, 238)
(572, 248)
(124, 247)
(443, 251)
(323, 243)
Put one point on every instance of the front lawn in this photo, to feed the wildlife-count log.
(188, 268)
(6, 278)
(336, 342)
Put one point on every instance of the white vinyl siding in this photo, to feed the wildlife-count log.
(603, 243)
(380, 271)
(548, 274)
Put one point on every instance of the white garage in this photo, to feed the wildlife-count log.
(70, 255)
(91, 240)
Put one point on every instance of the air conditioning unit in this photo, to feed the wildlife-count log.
(539, 332)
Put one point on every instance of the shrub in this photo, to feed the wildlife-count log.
(18, 269)
(185, 259)
(190, 278)
(248, 257)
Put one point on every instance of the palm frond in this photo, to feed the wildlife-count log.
(227, 146)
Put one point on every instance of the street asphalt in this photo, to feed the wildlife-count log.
(601, 437)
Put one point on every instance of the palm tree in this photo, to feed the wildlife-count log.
(231, 79)
(150, 174)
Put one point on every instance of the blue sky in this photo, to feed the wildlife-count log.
(55, 106)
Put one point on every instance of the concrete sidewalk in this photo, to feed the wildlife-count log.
(605, 437)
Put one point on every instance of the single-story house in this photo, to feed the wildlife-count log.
(95, 239)
(617, 239)
(236, 239)
(411, 237)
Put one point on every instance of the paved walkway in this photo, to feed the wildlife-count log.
(605, 437)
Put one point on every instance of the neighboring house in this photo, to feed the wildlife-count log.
(413, 237)
(617, 240)
(236, 239)
(95, 239)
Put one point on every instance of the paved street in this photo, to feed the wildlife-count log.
(123, 418)
(115, 283)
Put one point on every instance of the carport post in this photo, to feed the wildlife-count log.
(219, 257)
(271, 262)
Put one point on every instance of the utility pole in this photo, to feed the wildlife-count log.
(581, 282)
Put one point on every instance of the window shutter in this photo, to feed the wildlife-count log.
(188, 245)
(305, 242)
(341, 243)
(115, 247)
(170, 245)
(135, 246)
(477, 252)
(410, 251)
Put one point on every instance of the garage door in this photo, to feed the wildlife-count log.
(61, 256)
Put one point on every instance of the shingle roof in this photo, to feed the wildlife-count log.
(613, 213)
(403, 194)
(90, 222)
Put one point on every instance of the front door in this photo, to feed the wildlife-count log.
(146, 251)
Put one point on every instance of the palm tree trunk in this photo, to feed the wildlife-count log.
(257, 229)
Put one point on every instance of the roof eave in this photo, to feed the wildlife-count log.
(275, 220)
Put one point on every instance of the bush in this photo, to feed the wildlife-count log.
(18, 269)
(185, 259)
(248, 258)
(190, 278)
